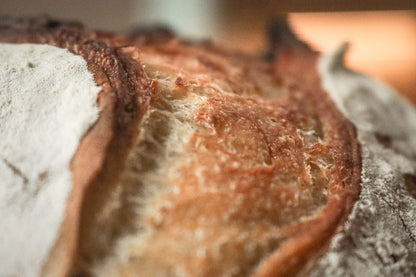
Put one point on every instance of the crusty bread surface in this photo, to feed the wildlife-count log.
(208, 162)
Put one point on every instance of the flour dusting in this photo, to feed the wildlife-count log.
(380, 235)
(47, 103)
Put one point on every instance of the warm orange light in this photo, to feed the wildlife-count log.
(383, 44)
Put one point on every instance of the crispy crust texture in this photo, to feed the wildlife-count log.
(103, 150)
(296, 63)
(308, 151)
(267, 135)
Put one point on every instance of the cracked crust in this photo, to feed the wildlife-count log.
(265, 173)
(203, 162)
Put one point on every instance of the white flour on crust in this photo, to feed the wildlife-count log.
(47, 103)
(380, 234)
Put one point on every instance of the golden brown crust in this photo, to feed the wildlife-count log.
(297, 66)
(296, 188)
(276, 160)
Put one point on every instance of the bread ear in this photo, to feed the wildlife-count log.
(149, 176)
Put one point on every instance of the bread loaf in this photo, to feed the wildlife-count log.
(180, 158)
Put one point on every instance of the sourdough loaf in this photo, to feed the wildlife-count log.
(199, 161)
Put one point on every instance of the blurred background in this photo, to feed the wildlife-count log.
(382, 33)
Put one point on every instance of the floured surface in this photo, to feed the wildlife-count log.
(47, 103)
(380, 235)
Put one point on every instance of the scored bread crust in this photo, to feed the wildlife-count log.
(324, 151)
(289, 90)
(104, 148)
(270, 156)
